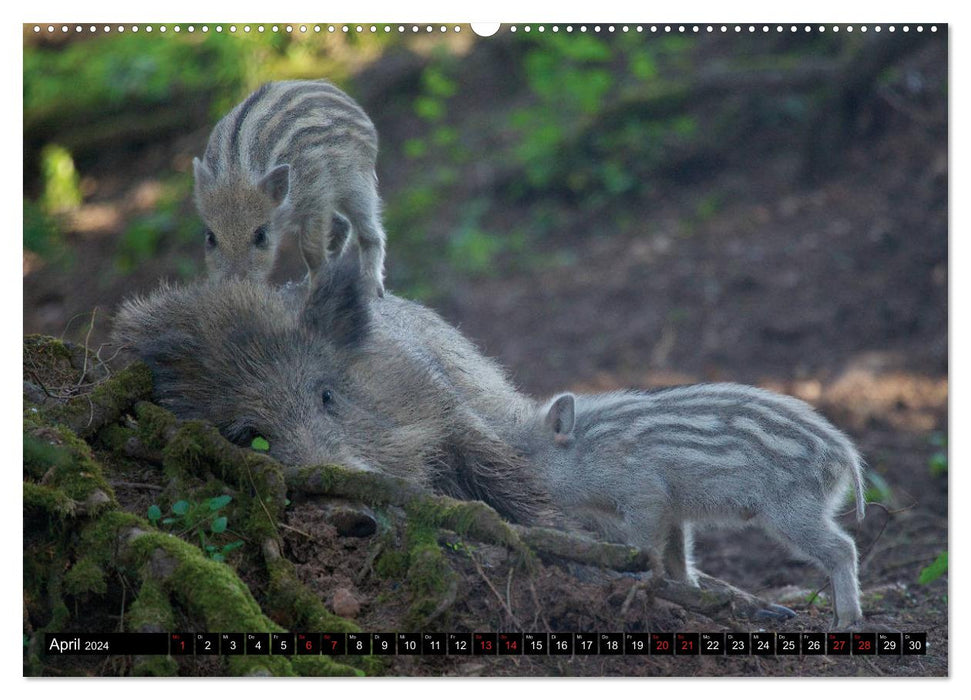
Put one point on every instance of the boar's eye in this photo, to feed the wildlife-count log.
(210, 239)
(243, 436)
(259, 237)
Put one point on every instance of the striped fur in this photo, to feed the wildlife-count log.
(643, 466)
(283, 162)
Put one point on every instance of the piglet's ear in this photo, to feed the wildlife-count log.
(337, 308)
(276, 183)
(562, 416)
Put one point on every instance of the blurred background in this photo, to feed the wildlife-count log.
(596, 209)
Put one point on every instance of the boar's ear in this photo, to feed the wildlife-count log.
(276, 183)
(201, 172)
(561, 417)
(337, 307)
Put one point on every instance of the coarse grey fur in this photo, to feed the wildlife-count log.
(283, 162)
(333, 378)
(643, 466)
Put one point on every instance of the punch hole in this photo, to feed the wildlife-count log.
(485, 28)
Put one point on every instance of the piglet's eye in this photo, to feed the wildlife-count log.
(210, 239)
(326, 397)
(259, 237)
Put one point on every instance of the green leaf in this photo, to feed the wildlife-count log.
(218, 557)
(231, 546)
(219, 524)
(168, 521)
(180, 507)
(938, 463)
(260, 444)
(219, 502)
(154, 513)
(878, 490)
(933, 571)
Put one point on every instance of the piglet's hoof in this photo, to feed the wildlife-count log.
(775, 612)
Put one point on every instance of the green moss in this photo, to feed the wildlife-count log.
(86, 576)
(107, 402)
(392, 564)
(68, 466)
(114, 438)
(151, 610)
(472, 518)
(48, 500)
(209, 590)
(155, 425)
(295, 606)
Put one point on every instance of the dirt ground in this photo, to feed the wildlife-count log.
(833, 292)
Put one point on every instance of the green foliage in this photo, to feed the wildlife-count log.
(260, 444)
(141, 241)
(436, 88)
(934, 570)
(171, 221)
(938, 461)
(877, 489)
(472, 249)
(62, 184)
(42, 234)
(202, 519)
(117, 70)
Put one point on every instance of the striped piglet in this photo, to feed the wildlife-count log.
(284, 162)
(641, 466)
